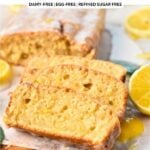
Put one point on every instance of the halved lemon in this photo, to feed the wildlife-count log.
(5, 72)
(138, 23)
(139, 89)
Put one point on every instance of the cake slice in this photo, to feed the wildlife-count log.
(82, 80)
(63, 114)
(107, 67)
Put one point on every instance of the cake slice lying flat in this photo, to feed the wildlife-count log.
(109, 68)
(82, 80)
(63, 114)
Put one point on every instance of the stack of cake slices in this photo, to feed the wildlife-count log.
(69, 98)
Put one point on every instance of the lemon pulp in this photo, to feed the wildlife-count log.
(139, 89)
(130, 129)
(141, 19)
(138, 23)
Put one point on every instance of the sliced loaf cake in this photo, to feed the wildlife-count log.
(82, 80)
(63, 114)
(107, 67)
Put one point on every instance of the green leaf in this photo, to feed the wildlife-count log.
(131, 67)
(2, 136)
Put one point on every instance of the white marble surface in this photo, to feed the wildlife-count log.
(123, 47)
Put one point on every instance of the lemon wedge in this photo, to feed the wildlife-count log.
(5, 72)
(139, 89)
(137, 24)
(130, 129)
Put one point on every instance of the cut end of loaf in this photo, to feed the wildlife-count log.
(17, 48)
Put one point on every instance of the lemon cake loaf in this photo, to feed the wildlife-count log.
(82, 80)
(51, 32)
(60, 113)
(107, 67)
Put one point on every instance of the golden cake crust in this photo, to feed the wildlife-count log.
(106, 144)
